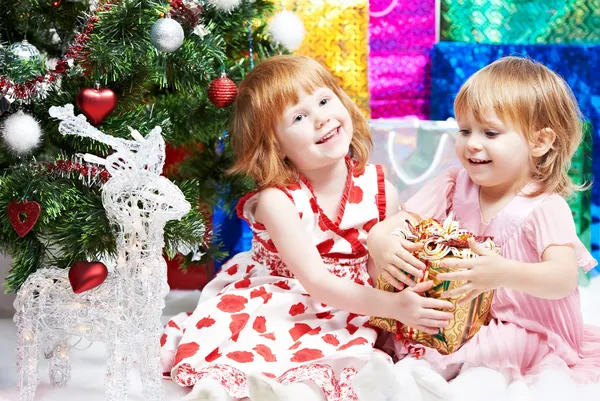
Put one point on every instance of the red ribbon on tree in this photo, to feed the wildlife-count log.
(74, 53)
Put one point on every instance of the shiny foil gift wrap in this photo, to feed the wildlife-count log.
(337, 35)
(518, 21)
(401, 36)
(441, 242)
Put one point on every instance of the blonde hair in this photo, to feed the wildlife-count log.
(262, 99)
(529, 97)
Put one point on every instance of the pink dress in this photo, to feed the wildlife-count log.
(256, 317)
(526, 334)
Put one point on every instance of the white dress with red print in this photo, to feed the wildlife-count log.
(254, 316)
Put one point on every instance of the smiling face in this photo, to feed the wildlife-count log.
(534, 113)
(315, 132)
(265, 129)
(494, 154)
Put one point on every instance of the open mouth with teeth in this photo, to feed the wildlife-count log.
(334, 133)
(479, 161)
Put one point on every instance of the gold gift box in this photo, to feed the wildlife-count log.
(442, 241)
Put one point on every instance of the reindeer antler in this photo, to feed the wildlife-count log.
(151, 155)
(145, 153)
(78, 125)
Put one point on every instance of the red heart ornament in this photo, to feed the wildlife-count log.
(96, 104)
(31, 212)
(84, 276)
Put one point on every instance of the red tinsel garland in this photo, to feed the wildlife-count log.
(182, 12)
(70, 168)
(28, 89)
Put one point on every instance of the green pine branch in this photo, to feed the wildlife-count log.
(152, 88)
(73, 225)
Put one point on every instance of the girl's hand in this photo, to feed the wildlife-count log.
(420, 312)
(482, 274)
(394, 259)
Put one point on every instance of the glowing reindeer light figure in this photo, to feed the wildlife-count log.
(124, 311)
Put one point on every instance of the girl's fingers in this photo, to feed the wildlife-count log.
(431, 303)
(407, 267)
(411, 246)
(408, 257)
(401, 276)
(427, 329)
(478, 248)
(437, 315)
(455, 276)
(462, 264)
(422, 287)
(469, 297)
(458, 292)
(440, 324)
(399, 285)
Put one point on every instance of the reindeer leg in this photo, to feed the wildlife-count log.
(149, 356)
(60, 363)
(27, 356)
(119, 362)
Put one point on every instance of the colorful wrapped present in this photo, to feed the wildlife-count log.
(401, 36)
(441, 241)
(518, 21)
(337, 36)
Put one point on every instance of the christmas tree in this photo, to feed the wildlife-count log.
(124, 64)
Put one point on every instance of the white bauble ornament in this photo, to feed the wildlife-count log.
(24, 50)
(21, 133)
(166, 35)
(287, 29)
(225, 5)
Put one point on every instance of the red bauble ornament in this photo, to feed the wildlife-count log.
(30, 212)
(96, 104)
(222, 91)
(84, 276)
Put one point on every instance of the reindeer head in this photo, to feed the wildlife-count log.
(136, 191)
